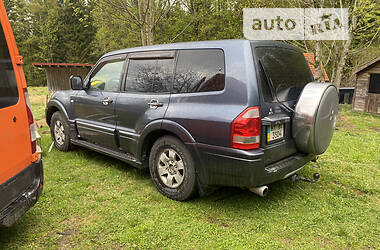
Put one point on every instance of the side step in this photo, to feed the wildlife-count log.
(118, 155)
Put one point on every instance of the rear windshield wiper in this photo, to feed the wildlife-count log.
(273, 90)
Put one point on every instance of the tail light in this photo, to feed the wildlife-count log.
(33, 132)
(246, 129)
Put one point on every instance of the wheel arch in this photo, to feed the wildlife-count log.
(52, 107)
(154, 131)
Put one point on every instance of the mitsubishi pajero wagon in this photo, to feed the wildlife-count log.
(201, 114)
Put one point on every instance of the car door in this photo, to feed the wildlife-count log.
(15, 139)
(94, 107)
(145, 95)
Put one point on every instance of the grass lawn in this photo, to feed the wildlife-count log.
(94, 201)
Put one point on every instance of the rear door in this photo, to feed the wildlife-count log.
(145, 96)
(283, 73)
(95, 107)
(15, 146)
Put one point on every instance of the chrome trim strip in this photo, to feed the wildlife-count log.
(85, 124)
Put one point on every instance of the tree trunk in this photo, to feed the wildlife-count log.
(140, 6)
(150, 23)
(342, 62)
(318, 76)
(345, 50)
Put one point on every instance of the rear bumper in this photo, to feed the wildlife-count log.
(20, 193)
(223, 166)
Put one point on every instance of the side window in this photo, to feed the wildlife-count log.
(107, 76)
(199, 71)
(8, 84)
(149, 75)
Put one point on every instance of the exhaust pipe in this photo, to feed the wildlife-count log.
(260, 191)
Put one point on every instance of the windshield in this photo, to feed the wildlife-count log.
(286, 69)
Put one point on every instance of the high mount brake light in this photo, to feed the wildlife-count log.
(246, 129)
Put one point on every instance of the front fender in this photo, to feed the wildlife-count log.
(60, 101)
(53, 105)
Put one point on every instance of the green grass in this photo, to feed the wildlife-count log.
(93, 201)
(37, 96)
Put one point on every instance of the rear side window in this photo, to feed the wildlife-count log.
(199, 71)
(287, 69)
(8, 85)
(150, 75)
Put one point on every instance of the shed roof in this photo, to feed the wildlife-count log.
(370, 63)
(310, 59)
(62, 65)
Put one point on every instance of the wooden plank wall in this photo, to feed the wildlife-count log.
(58, 78)
(364, 101)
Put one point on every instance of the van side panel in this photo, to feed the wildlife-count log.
(15, 142)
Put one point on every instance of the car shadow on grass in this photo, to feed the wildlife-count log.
(221, 195)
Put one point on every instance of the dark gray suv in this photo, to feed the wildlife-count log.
(201, 114)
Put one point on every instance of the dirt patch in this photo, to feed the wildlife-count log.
(41, 123)
(37, 99)
(64, 239)
(217, 221)
(356, 191)
(67, 239)
(359, 192)
(343, 123)
(375, 129)
(286, 241)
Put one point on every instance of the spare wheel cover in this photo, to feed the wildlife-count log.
(315, 118)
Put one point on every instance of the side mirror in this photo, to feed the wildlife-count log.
(76, 83)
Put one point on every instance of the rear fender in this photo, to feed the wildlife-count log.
(162, 126)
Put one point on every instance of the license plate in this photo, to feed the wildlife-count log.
(275, 132)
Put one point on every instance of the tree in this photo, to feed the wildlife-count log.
(142, 16)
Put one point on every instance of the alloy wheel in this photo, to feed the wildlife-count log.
(59, 133)
(170, 168)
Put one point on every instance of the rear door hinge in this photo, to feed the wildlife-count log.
(19, 60)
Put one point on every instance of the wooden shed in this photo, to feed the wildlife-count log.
(58, 74)
(367, 91)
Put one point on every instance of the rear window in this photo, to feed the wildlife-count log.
(8, 85)
(199, 71)
(287, 69)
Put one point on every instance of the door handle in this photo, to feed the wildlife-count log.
(106, 101)
(155, 104)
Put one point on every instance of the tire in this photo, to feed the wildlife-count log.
(172, 169)
(60, 132)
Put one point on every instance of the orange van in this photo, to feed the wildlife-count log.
(21, 172)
